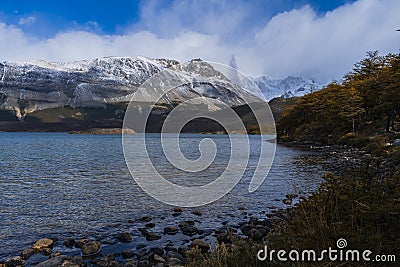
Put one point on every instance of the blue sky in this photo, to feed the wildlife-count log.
(317, 39)
(48, 17)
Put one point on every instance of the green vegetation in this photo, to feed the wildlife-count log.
(362, 204)
(365, 104)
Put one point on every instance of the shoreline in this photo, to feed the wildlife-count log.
(114, 248)
(123, 249)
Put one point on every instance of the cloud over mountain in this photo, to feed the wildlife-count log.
(296, 42)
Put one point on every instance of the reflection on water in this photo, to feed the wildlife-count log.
(60, 185)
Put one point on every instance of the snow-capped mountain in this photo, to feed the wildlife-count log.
(29, 86)
(271, 87)
(288, 87)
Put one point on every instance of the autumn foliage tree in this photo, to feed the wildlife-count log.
(366, 103)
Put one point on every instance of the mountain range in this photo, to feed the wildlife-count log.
(47, 92)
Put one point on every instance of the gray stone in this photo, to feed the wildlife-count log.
(201, 244)
(15, 261)
(130, 263)
(69, 242)
(173, 254)
(189, 230)
(174, 262)
(128, 254)
(91, 248)
(27, 253)
(158, 258)
(171, 230)
(157, 250)
(145, 219)
(150, 236)
(197, 213)
(52, 262)
(79, 243)
(125, 237)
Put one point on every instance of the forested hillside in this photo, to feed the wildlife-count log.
(364, 105)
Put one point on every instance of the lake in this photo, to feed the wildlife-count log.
(61, 185)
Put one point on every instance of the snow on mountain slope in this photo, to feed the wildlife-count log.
(270, 88)
(29, 86)
(287, 87)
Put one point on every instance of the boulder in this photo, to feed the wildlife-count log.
(158, 258)
(201, 244)
(130, 263)
(150, 236)
(15, 261)
(157, 250)
(186, 223)
(145, 219)
(56, 261)
(69, 242)
(127, 254)
(91, 248)
(182, 250)
(197, 212)
(178, 210)
(27, 253)
(171, 230)
(79, 243)
(189, 230)
(245, 228)
(150, 225)
(104, 261)
(173, 254)
(124, 237)
(174, 262)
(287, 201)
(255, 234)
(42, 244)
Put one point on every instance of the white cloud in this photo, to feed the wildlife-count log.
(298, 42)
(301, 42)
(27, 21)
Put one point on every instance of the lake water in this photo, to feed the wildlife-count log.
(60, 185)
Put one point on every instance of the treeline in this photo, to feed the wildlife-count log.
(365, 104)
(361, 202)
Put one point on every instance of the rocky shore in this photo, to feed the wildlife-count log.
(88, 251)
(105, 131)
(161, 248)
